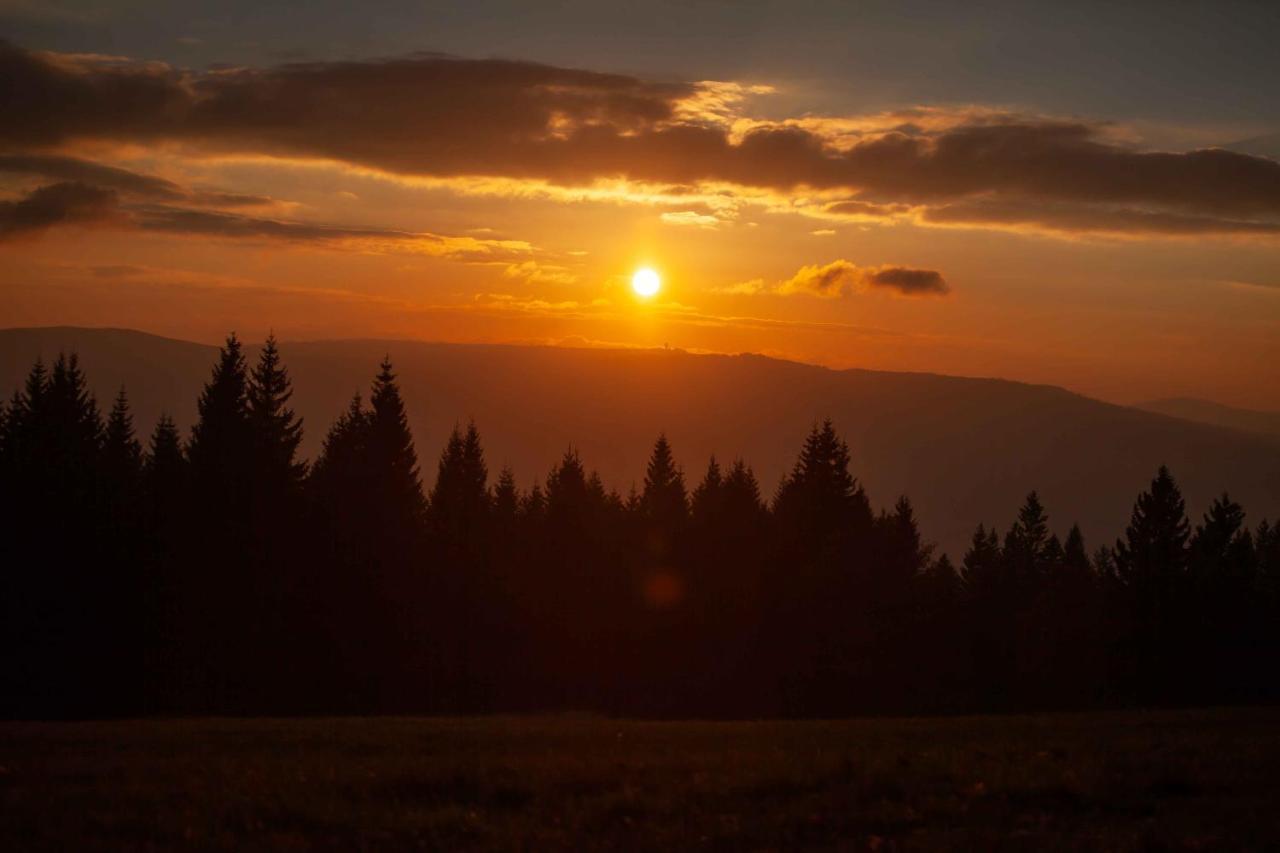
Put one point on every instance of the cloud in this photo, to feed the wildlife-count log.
(1068, 219)
(690, 217)
(62, 168)
(844, 278)
(75, 203)
(541, 273)
(56, 204)
(908, 282)
(864, 209)
(442, 117)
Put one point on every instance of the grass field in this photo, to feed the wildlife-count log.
(1204, 780)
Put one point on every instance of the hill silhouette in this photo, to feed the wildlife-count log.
(966, 450)
(1208, 412)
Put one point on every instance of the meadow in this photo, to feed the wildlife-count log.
(1168, 780)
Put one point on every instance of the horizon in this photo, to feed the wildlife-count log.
(254, 343)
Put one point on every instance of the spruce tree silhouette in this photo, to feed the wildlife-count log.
(1223, 608)
(393, 546)
(821, 510)
(166, 506)
(458, 521)
(121, 450)
(276, 430)
(126, 597)
(459, 501)
(824, 528)
(221, 444)
(663, 502)
(53, 440)
(280, 589)
(1151, 562)
(209, 581)
(1025, 547)
(392, 456)
(900, 557)
(707, 498)
(505, 500)
(1075, 559)
(220, 601)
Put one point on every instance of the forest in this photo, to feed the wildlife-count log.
(219, 573)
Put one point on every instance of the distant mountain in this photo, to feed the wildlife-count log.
(1267, 145)
(965, 450)
(1207, 412)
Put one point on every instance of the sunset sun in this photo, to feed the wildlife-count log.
(645, 282)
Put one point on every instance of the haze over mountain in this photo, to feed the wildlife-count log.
(1209, 412)
(965, 450)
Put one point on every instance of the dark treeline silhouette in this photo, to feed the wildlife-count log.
(221, 574)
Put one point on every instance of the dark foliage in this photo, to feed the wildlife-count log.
(227, 576)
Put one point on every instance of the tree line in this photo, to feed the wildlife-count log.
(223, 574)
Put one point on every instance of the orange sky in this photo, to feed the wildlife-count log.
(964, 240)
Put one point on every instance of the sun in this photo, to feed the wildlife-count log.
(645, 282)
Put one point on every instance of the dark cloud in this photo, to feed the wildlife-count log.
(74, 203)
(84, 171)
(1094, 219)
(845, 278)
(908, 282)
(131, 183)
(57, 204)
(853, 207)
(440, 116)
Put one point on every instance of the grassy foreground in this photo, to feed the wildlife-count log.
(1203, 780)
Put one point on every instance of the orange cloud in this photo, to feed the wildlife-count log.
(445, 117)
(842, 278)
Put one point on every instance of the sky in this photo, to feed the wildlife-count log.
(1082, 195)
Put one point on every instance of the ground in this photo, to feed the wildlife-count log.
(1199, 780)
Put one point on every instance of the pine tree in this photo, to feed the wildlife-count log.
(74, 421)
(741, 498)
(1151, 564)
(567, 488)
(1221, 548)
(708, 497)
(821, 503)
(533, 506)
(1026, 543)
(505, 500)
(221, 445)
(26, 426)
(391, 453)
(903, 553)
(276, 430)
(1075, 559)
(459, 502)
(940, 584)
(663, 502)
(165, 467)
(982, 569)
(122, 453)
(1153, 555)
(121, 474)
(339, 474)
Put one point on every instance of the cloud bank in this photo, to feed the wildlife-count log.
(434, 116)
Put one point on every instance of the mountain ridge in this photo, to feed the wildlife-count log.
(965, 449)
